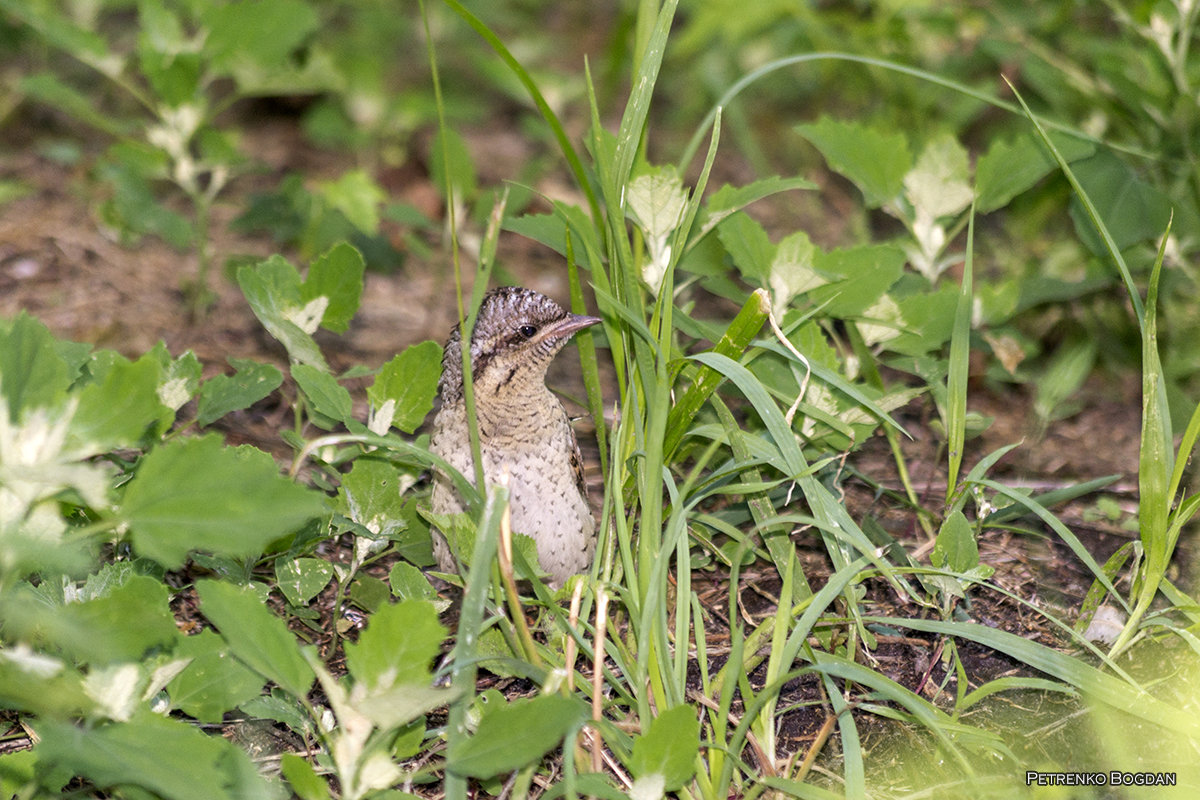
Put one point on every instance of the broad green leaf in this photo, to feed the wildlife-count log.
(358, 197)
(940, 183)
(858, 277)
(338, 276)
(370, 496)
(875, 161)
(302, 778)
(409, 583)
(134, 208)
(398, 646)
(955, 549)
(542, 721)
(214, 682)
(1009, 168)
(116, 411)
(122, 625)
(403, 391)
(225, 393)
(668, 748)
(256, 636)
(32, 372)
(179, 381)
(792, 270)
(1131, 209)
(154, 753)
(300, 579)
(326, 397)
(257, 36)
(928, 321)
(196, 494)
(368, 593)
(273, 290)
(656, 201)
(748, 245)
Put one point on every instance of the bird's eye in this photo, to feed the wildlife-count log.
(527, 331)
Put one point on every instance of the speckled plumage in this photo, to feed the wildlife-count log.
(522, 428)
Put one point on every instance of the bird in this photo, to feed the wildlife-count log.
(524, 430)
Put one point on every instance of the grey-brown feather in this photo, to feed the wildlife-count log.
(523, 428)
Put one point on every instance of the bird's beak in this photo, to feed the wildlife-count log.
(570, 325)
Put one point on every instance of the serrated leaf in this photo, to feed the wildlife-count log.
(214, 682)
(543, 722)
(370, 496)
(397, 647)
(656, 201)
(122, 625)
(338, 276)
(792, 271)
(223, 394)
(273, 290)
(325, 395)
(256, 636)
(859, 276)
(729, 199)
(940, 183)
(300, 579)
(409, 382)
(116, 411)
(196, 494)
(668, 748)
(1009, 168)
(875, 161)
(153, 753)
(32, 372)
(748, 245)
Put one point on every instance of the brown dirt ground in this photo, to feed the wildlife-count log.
(57, 262)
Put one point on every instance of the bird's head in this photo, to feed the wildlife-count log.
(516, 336)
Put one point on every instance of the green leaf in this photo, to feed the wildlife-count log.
(403, 391)
(301, 579)
(179, 380)
(1009, 168)
(273, 290)
(196, 494)
(1131, 209)
(32, 372)
(336, 276)
(302, 778)
(225, 393)
(370, 496)
(261, 34)
(876, 162)
(792, 271)
(748, 245)
(397, 647)
(154, 753)
(940, 183)
(368, 593)
(729, 199)
(46, 88)
(134, 208)
(858, 277)
(256, 636)
(121, 625)
(668, 748)
(213, 683)
(542, 721)
(116, 411)
(326, 397)
(358, 197)
(409, 583)
(955, 549)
